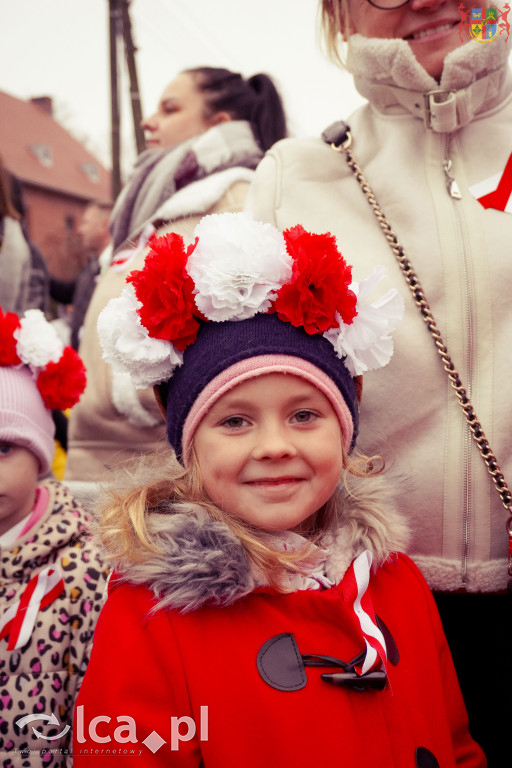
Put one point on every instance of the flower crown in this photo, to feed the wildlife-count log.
(236, 268)
(32, 341)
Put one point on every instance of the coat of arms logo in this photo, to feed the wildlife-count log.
(484, 24)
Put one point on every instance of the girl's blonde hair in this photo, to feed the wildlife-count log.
(160, 479)
(335, 29)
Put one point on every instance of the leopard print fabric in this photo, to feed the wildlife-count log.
(43, 677)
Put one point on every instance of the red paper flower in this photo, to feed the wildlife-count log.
(62, 383)
(165, 291)
(319, 287)
(8, 324)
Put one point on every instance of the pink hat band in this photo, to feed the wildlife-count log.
(259, 366)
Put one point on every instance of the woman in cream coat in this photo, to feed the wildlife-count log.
(434, 142)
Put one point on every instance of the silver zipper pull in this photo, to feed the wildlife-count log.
(451, 184)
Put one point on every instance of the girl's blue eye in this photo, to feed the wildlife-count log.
(234, 422)
(5, 449)
(304, 417)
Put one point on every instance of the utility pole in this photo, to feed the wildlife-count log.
(120, 26)
(114, 15)
(132, 71)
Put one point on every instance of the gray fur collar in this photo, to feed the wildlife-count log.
(200, 561)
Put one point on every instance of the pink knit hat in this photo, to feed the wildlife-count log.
(259, 365)
(37, 375)
(24, 420)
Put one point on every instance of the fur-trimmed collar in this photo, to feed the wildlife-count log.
(200, 561)
(474, 79)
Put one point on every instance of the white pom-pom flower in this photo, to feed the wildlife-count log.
(37, 340)
(127, 346)
(366, 343)
(238, 266)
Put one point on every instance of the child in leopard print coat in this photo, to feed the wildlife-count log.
(51, 576)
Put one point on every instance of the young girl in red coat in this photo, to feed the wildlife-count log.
(260, 614)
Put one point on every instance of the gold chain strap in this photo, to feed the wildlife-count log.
(421, 302)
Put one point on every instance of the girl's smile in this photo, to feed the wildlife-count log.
(270, 451)
(274, 481)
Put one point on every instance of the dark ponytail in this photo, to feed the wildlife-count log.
(255, 99)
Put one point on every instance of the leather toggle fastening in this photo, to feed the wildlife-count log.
(280, 663)
(372, 681)
(282, 666)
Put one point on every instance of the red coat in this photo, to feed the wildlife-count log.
(153, 668)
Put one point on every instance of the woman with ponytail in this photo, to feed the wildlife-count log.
(207, 135)
(254, 99)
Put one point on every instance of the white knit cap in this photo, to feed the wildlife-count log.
(24, 420)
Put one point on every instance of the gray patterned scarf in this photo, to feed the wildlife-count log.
(159, 173)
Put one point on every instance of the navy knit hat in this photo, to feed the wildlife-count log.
(242, 301)
(221, 345)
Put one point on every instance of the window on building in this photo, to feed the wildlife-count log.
(43, 153)
(91, 170)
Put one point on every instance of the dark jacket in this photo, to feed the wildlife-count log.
(77, 292)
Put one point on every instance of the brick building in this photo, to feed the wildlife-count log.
(59, 177)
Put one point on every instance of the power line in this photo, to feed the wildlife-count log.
(154, 33)
(184, 29)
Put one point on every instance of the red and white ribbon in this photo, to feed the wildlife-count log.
(496, 191)
(18, 620)
(355, 593)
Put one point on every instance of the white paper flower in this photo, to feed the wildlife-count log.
(238, 266)
(366, 344)
(128, 347)
(37, 340)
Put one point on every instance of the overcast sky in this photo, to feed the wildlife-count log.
(60, 48)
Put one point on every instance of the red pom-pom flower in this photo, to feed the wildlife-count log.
(319, 288)
(239, 269)
(62, 383)
(8, 324)
(165, 290)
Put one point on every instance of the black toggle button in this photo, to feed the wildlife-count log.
(372, 681)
